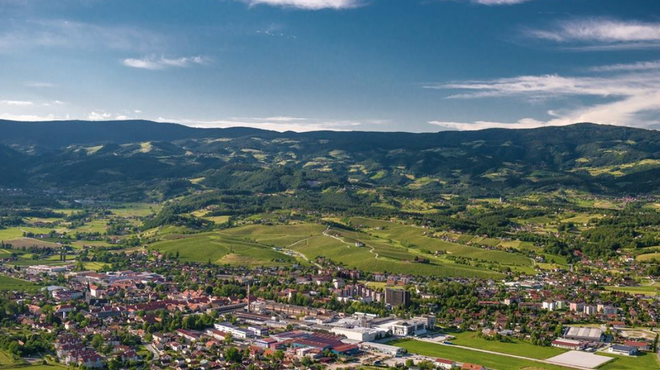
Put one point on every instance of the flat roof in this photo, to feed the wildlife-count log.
(580, 359)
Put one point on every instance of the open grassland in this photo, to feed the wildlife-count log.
(31, 242)
(257, 244)
(464, 355)
(642, 362)
(517, 347)
(136, 209)
(18, 232)
(222, 249)
(8, 283)
(276, 235)
(7, 360)
(412, 237)
(34, 367)
(651, 290)
(648, 257)
(369, 258)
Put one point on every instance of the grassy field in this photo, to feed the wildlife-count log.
(470, 339)
(414, 238)
(7, 283)
(222, 249)
(7, 360)
(465, 355)
(382, 258)
(96, 266)
(648, 257)
(651, 290)
(642, 362)
(35, 367)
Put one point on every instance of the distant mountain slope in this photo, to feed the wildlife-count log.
(54, 134)
(139, 157)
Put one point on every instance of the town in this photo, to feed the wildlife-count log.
(164, 313)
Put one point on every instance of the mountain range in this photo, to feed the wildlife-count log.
(138, 159)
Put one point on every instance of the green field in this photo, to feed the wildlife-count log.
(649, 257)
(517, 347)
(642, 362)
(377, 256)
(257, 244)
(465, 355)
(35, 367)
(221, 249)
(414, 238)
(8, 283)
(650, 290)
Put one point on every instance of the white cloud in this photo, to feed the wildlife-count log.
(20, 103)
(273, 125)
(602, 33)
(152, 63)
(639, 66)
(281, 119)
(99, 116)
(309, 4)
(626, 96)
(28, 117)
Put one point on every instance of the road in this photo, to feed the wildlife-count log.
(153, 350)
(298, 254)
(348, 245)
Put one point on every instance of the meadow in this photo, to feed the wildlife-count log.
(8, 283)
(516, 347)
(464, 355)
(413, 237)
(221, 249)
(642, 362)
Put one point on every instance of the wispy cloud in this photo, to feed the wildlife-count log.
(20, 103)
(36, 84)
(601, 33)
(626, 97)
(498, 2)
(309, 4)
(153, 63)
(64, 34)
(639, 66)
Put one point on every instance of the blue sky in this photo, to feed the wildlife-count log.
(385, 65)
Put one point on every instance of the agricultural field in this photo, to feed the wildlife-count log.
(465, 355)
(412, 237)
(7, 283)
(650, 290)
(221, 249)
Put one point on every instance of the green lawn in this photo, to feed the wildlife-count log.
(465, 355)
(518, 347)
(8, 283)
(642, 362)
(651, 290)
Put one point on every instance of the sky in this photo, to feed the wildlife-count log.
(303, 65)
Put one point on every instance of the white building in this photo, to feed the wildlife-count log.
(358, 333)
(236, 332)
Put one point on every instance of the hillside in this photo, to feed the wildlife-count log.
(137, 159)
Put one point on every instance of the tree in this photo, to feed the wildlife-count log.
(232, 354)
